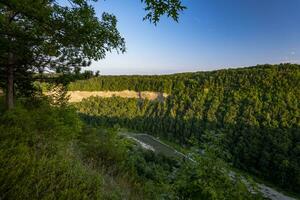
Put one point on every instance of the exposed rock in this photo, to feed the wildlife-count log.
(76, 96)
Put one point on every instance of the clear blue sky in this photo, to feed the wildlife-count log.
(211, 34)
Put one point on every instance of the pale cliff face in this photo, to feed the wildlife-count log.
(77, 96)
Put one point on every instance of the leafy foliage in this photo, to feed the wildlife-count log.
(157, 8)
(47, 35)
(36, 161)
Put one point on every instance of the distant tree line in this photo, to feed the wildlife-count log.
(71, 76)
(119, 83)
(255, 113)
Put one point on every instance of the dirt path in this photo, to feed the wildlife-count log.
(155, 144)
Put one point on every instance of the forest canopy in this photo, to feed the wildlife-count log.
(253, 112)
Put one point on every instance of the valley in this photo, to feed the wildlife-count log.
(245, 116)
(225, 125)
(154, 144)
(201, 102)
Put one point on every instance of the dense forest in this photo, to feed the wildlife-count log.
(253, 114)
(47, 152)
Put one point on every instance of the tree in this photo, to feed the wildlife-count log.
(39, 35)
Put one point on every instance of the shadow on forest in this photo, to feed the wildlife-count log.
(268, 153)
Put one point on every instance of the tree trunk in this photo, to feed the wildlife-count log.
(10, 83)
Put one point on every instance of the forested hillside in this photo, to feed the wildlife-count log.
(253, 113)
(47, 152)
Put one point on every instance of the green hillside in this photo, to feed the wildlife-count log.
(47, 152)
(253, 114)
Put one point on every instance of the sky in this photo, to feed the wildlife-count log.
(210, 34)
